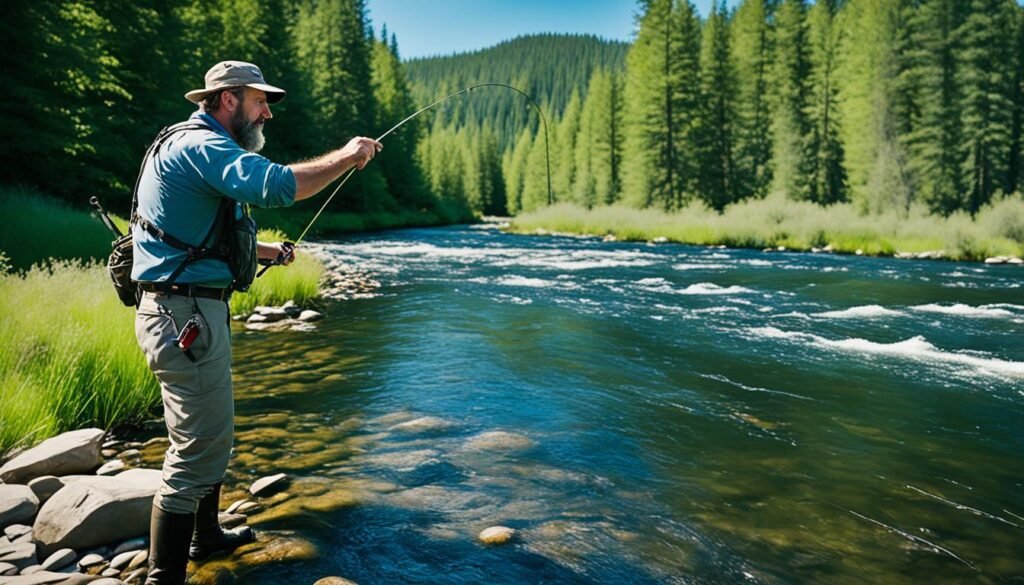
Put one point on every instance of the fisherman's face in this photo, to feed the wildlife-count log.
(248, 118)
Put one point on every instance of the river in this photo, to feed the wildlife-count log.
(641, 414)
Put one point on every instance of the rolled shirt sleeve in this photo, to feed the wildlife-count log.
(241, 175)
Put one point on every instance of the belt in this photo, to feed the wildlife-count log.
(187, 290)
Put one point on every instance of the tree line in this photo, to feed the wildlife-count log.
(884, 103)
(89, 83)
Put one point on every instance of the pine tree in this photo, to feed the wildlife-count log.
(393, 103)
(599, 145)
(986, 75)
(564, 159)
(791, 94)
(934, 140)
(716, 171)
(514, 170)
(827, 182)
(752, 39)
(875, 113)
(662, 99)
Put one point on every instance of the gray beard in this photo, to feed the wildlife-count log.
(249, 134)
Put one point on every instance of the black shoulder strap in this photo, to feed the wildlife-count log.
(193, 253)
(162, 137)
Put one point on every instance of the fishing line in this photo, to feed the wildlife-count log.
(424, 109)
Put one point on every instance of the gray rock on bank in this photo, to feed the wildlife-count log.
(97, 511)
(18, 503)
(66, 454)
(269, 485)
(45, 486)
(21, 555)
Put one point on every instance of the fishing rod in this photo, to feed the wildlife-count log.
(547, 152)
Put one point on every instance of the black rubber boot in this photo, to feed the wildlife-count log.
(209, 537)
(169, 536)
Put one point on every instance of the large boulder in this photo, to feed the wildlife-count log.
(97, 511)
(68, 453)
(18, 503)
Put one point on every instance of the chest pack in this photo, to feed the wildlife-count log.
(230, 239)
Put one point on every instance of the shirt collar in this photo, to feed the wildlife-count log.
(211, 122)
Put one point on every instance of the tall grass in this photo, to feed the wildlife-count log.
(68, 355)
(299, 281)
(37, 227)
(775, 221)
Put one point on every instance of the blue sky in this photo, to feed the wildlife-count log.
(440, 27)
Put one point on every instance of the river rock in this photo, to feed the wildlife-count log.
(269, 485)
(14, 531)
(121, 560)
(136, 577)
(20, 554)
(139, 560)
(31, 569)
(18, 503)
(45, 486)
(271, 313)
(89, 561)
(130, 454)
(496, 535)
(231, 520)
(97, 511)
(309, 316)
(423, 424)
(292, 309)
(106, 581)
(234, 507)
(249, 508)
(111, 467)
(59, 560)
(108, 572)
(334, 581)
(499, 441)
(7, 569)
(67, 453)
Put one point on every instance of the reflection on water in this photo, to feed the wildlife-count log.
(639, 414)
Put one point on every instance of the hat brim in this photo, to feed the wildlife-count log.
(274, 94)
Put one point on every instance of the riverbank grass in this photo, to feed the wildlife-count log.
(299, 281)
(997, 230)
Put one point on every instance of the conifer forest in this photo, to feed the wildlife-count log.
(885, 104)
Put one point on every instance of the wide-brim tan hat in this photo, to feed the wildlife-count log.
(228, 74)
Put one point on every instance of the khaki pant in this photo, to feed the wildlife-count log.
(198, 403)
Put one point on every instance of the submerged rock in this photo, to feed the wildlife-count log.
(496, 535)
(269, 485)
(334, 581)
(499, 441)
(309, 315)
(66, 454)
(423, 424)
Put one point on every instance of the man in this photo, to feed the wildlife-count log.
(181, 190)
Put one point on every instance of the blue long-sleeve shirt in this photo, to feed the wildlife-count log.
(181, 190)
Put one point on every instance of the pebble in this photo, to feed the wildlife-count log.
(113, 443)
(59, 560)
(121, 560)
(497, 535)
(131, 453)
(110, 467)
(309, 315)
(108, 453)
(108, 572)
(334, 581)
(132, 445)
(234, 507)
(7, 569)
(139, 560)
(266, 486)
(107, 581)
(15, 530)
(256, 318)
(156, 441)
(89, 561)
(136, 577)
(31, 569)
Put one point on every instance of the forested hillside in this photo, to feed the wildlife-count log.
(885, 104)
(89, 83)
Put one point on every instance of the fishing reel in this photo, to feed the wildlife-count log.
(287, 251)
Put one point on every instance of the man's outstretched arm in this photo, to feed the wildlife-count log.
(313, 175)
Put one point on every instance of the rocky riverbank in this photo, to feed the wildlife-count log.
(75, 509)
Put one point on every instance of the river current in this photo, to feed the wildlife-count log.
(640, 414)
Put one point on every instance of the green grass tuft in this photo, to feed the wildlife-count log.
(299, 281)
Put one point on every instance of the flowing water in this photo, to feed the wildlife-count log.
(639, 414)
